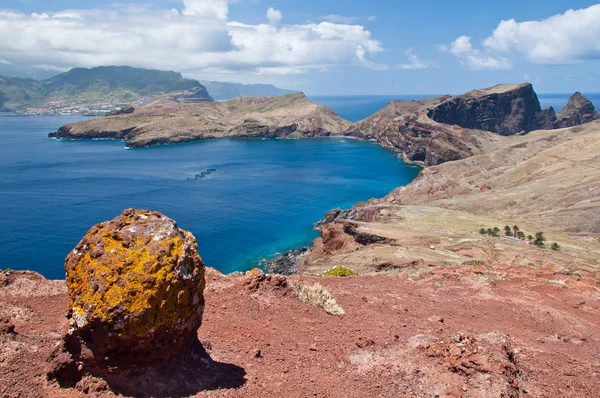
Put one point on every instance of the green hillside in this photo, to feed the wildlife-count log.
(79, 85)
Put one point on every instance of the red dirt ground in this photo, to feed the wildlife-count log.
(486, 331)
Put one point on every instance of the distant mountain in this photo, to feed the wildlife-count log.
(225, 91)
(101, 84)
(25, 72)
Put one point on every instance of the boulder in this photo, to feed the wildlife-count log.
(579, 110)
(135, 292)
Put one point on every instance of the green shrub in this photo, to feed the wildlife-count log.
(340, 271)
(555, 246)
(473, 263)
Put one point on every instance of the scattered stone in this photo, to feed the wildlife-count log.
(6, 327)
(258, 280)
(288, 263)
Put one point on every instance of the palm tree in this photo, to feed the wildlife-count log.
(495, 231)
(530, 238)
(516, 229)
(483, 231)
(490, 232)
(539, 239)
(521, 235)
(507, 230)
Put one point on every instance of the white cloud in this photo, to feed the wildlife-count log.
(198, 40)
(274, 16)
(475, 59)
(561, 39)
(360, 54)
(217, 9)
(339, 19)
(372, 18)
(415, 62)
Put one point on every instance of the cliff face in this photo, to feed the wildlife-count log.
(447, 128)
(579, 110)
(170, 122)
(502, 109)
(405, 126)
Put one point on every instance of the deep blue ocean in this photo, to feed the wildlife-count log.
(263, 199)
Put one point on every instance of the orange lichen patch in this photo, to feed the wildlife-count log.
(135, 274)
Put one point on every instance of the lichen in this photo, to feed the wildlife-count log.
(119, 275)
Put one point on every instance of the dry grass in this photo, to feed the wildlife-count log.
(317, 295)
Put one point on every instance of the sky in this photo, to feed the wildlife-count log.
(321, 47)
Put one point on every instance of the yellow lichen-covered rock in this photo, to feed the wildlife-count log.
(135, 291)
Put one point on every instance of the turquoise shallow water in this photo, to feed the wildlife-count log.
(263, 198)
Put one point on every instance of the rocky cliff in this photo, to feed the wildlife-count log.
(405, 126)
(579, 110)
(504, 109)
(170, 122)
(448, 128)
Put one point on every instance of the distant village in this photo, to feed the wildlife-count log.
(69, 108)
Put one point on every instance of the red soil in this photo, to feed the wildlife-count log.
(459, 332)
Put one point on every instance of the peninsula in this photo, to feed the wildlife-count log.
(172, 122)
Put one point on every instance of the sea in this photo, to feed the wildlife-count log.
(262, 200)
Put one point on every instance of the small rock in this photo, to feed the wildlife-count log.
(435, 318)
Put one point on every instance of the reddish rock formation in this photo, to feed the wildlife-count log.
(135, 292)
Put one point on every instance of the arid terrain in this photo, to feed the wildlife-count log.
(495, 330)
(543, 181)
(168, 122)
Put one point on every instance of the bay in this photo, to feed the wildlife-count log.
(264, 197)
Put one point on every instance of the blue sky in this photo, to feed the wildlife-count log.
(320, 47)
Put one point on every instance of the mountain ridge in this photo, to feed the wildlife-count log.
(115, 84)
(225, 91)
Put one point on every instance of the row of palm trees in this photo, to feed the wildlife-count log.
(539, 239)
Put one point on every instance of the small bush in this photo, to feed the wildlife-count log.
(555, 246)
(340, 271)
(473, 263)
(317, 295)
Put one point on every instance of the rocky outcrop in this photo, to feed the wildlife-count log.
(579, 110)
(171, 122)
(135, 292)
(502, 109)
(446, 128)
(404, 126)
(287, 263)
